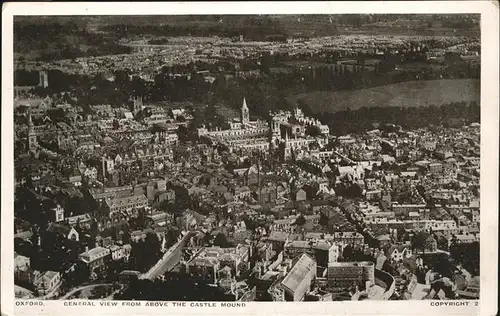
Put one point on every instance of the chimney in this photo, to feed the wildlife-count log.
(86, 248)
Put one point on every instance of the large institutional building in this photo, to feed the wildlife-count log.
(260, 136)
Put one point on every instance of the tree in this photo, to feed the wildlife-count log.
(126, 237)
(300, 220)
(152, 247)
(250, 223)
(221, 241)
(313, 130)
(57, 115)
(122, 77)
(347, 253)
(138, 86)
(467, 255)
(401, 233)
(305, 107)
(421, 241)
(171, 237)
(183, 133)
(116, 124)
(354, 191)
(323, 219)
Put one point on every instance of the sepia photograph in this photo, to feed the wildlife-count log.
(246, 158)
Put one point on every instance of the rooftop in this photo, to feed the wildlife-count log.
(299, 271)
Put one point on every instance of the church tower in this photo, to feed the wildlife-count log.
(274, 136)
(276, 130)
(245, 113)
(43, 79)
(32, 142)
(138, 105)
(285, 148)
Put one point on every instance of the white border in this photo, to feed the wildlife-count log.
(489, 149)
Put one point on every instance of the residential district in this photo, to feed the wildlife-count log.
(109, 202)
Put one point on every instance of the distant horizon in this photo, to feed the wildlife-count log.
(113, 19)
(108, 30)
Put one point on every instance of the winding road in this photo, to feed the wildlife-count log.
(83, 288)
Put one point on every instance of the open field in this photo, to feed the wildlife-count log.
(405, 94)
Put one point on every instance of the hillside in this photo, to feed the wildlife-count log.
(404, 94)
(60, 38)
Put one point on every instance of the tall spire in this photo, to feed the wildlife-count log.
(32, 141)
(30, 121)
(245, 113)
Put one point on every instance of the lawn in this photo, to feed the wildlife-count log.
(405, 94)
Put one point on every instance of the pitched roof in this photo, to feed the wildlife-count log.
(383, 238)
(50, 274)
(95, 252)
(303, 266)
(79, 218)
(59, 229)
(399, 248)
(278, 236)
(124, 201)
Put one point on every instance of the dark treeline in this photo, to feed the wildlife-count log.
(263, 94)
(176, 287)
(467, 255)
(268, 91)
(327, 75)
(345, 77)
(26, 78)
(329, 70)
(280, 27)
(464, 21)
(145, 253)
(363, 119)
(251, 27)
(65, 40)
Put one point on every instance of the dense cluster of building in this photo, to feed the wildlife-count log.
(292, 226)
(269, 210)
(147, 59)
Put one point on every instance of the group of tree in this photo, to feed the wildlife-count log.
(62, 40)
(251, 27)
(313, 131)
(145, 253)
(467, 255)
(421, 241)
(175, 287)
(266, 93)
(359, 121)
(350, 253)
(349, 190)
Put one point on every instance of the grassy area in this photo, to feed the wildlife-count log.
(405, 94)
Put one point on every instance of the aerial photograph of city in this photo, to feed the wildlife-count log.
(238, 158)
